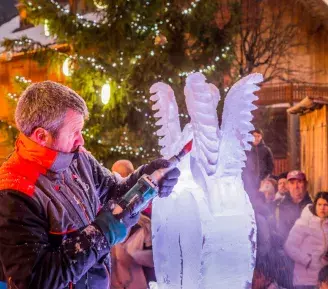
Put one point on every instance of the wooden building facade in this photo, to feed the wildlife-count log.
(313, 126)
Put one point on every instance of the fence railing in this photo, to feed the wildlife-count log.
(289, 93)
(280, 166)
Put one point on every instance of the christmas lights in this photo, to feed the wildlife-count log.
(146, 34)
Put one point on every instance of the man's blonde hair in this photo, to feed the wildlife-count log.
(44, 104)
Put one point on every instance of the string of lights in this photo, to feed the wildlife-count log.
(79, 19)
(112, 69)
(190, 9)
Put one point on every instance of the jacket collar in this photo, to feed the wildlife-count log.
(46, 158)
(306, 200)
(261, 143)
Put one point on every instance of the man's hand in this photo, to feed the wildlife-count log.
(168, 181)
(129, 220)
(115, 223)
(155, 165)
(129, 217)
(113, 229)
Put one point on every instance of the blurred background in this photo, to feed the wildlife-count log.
(111, 52)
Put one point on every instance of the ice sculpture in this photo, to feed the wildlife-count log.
(204, 233)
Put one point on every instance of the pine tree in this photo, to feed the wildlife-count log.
(129, 46)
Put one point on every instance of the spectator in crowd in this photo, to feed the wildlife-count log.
(282, 187)
(263, 205)
(323, 278)
(268, 188)
(132, 260)
(289, 209)
(307, 244)
(263, 276)
(259, 164)
(123, 167)
(286, 212)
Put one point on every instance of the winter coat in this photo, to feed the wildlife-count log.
(48, 202)
(286, 212)
(259, 161)
(306, 244)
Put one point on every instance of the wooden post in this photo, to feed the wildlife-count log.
(293, 134)
(293, 141)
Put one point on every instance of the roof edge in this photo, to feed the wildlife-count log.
(308, 104)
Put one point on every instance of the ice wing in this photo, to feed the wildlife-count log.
(202, 99)
(168, 114)
(236, 125)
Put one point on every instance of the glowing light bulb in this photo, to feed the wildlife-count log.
(105, 93)
(46, 28)
(67, 67)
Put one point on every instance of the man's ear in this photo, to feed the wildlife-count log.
(41, 136)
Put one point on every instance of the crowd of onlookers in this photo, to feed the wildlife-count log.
(292, 240)
(292, 230)
(132, 260)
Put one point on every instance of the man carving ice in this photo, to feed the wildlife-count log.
(55, 228)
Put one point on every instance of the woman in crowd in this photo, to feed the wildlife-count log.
(307, 243)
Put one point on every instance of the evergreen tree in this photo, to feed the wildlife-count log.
(129, 45)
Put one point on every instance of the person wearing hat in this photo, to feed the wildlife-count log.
(286, 212)
(289, 209)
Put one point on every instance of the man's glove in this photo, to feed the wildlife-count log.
(115, 227)
(129, 220)
(168, 181)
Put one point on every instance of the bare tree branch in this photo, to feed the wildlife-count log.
(266, 39)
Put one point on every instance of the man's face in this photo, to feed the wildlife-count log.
(70, 136)
(257, 138)
(282, 186)
(297, 189)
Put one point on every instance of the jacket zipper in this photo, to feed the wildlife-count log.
(81, 205)
(68, 201)
(79, 202)
(79, 184)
